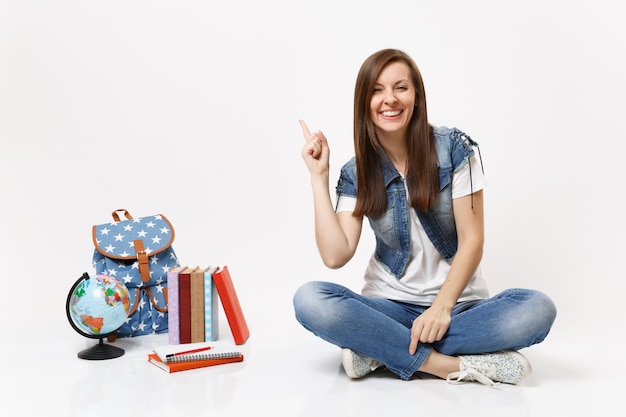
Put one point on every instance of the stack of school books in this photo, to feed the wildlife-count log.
(194, 295)
(183, 357)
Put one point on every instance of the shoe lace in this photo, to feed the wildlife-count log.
(478, 374)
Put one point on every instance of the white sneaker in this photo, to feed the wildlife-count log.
(508, 366)
(356, 365)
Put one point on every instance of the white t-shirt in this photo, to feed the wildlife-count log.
(427, 269)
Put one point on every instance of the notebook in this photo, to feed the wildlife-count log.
(153, 358)
(190, 352)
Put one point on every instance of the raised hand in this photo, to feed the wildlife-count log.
(315, 151)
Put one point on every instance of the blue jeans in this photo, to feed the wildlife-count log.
(381, 328)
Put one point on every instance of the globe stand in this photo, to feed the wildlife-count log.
(101, 351)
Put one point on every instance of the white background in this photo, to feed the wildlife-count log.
(190, 109)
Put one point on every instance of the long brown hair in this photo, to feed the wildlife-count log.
(422, 172)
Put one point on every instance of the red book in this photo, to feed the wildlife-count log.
(170, 367)
(184, 304)
(226, 291)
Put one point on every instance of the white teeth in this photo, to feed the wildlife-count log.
(391, 113)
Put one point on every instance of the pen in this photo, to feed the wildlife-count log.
(187, 352)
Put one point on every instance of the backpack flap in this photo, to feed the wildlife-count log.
(134, 244)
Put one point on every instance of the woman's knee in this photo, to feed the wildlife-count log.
(315, 304)
(535, 316)
(544, 307)
(306, 300)
(532, 304)
(304, 294)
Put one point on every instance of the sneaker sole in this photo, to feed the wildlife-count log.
(347, 362)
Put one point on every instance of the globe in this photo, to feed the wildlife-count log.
(96, 307)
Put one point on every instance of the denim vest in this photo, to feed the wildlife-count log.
(392, 229)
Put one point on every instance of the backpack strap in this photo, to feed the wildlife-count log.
(148, 291)
(137, 295)
(153, 301)
(142, 259)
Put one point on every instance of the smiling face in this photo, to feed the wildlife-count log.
(393, 99)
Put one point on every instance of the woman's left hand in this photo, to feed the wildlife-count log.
(429, 327)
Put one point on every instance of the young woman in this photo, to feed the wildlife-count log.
(424, 306)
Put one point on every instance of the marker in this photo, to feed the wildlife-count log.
(187, 352)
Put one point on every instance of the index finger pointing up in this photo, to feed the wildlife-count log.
(305, 129)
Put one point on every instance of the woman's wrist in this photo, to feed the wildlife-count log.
(318, 180)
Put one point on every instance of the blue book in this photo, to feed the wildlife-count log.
(211, 304)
